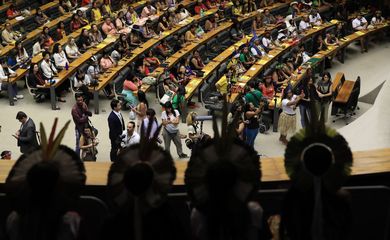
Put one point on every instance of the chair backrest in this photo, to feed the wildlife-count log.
(354, 98)
(370, 212)
(93, 212)
(29, 88)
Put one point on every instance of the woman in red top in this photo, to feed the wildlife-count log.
(85, 2)
(199, 6)
(61, 33)
(11, 12)
(46, 39)
(267, 88)
(75, 23)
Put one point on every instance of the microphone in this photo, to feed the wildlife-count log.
(203, 118)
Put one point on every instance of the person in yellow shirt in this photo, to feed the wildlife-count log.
(106, 8)
(96, 14)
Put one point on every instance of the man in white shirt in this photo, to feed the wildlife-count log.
(5, 74)
(257, 50)
(48, 69)
(315, 18)
(148, 10)
(129, 137)
(359, 23)
(266, 40)
(304, 24)
(8, 36)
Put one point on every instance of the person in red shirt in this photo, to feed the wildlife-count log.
(199, 6)
(267, 88)
(85, 2)
(11, 12)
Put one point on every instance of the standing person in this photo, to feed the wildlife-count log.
(304, 103)
(150, 116)
(129, 136)
(287, 119)
(6, 155)
(324, 92)
(141, 108)
(80, 115)
(26, 135)
(5, 74)
(251, 116)
(170, 121)
(116, 126)
(253, 96)
(88, 143)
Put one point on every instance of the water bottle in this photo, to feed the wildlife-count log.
(66, 66)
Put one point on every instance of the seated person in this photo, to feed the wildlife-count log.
(147, 30)
(132, 82)
(257, 23)
(96, 14)
(211, 23)
(304, 24)
(249, 6)
(120, 24)
(108, 27)
(49, 71)
(59, 56)
(151, 61)
(9, 36)
(81, 83)
(315, 18)
(163, 49)
(82, 17)
(5, 74)
(222, 84)
(76, 23)
(162, 24)
(95, 35)
(237, 9)
(124, 46)
(199, 32)
(377, 18)
(257, 49)
(196, 62)
(131, 16)
(106, 8)
(267, 88)
(45, 38)
(37, 48)
(199, 6)
(134, 39)
(268, 18)
(183, 12)
(331, 40)
(84, 40)
(236, 31)
(61, 32)
(40, 17)
(267, 41)
(63, 7)
(71, 49)
(161, 5)
(182, 77)
(246, 58)
(148, 10)
(12, 12)
(359, 23)
(106, 62)
(190, 35)
(22, 56)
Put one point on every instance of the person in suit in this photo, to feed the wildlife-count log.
(26, 135)
(116, 126)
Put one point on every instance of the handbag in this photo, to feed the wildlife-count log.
(132, 115)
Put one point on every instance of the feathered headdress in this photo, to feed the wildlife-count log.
(318, 157)
(224, 150)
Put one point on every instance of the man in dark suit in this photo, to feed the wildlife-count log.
(26, 136)
(116, 126)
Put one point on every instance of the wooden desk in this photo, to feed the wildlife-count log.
(338, 80)
(273, 170)
(345, 92)
(273, 55)
(31, 35)
(45, 7)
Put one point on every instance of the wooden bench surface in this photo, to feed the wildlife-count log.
(365, 162)
(345, 92)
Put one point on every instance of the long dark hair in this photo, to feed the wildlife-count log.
(168, 105)
(142, 97)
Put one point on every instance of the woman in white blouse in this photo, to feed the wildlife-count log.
(59, 56)
(21, 53)
(71, 49)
